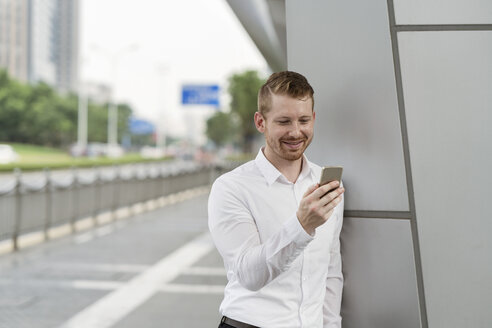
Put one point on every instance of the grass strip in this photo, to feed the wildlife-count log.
(83, 162)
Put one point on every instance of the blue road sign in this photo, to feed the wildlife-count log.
(194, 94)
(140, 127)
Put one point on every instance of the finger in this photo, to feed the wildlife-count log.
(333, 198)
(328, 210)
(332, 194)
(327, 187)
(327, 215)
(310, 189)
(336, 192)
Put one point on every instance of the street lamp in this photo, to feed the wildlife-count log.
(82, 114)
(113, 58)
(162, 70)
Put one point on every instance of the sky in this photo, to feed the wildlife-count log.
(146, 49)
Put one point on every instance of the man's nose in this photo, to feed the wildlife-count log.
(295, 130)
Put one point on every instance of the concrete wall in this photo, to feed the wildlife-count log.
(403, 94)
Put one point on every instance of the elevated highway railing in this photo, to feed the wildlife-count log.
(48, 202)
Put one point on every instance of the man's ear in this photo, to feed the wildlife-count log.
(259, 122)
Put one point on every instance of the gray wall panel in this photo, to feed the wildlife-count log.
(443, 11)
(447, 84)
(344, 49)
(380, 288)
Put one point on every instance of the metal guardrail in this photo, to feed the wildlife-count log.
(28, 207)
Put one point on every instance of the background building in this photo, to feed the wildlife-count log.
(14, 37)
(39, 41)
(403, 99)
(67, 45)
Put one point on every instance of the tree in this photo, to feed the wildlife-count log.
(220, 128)
(124, 113)
(98, 121)
(12, 107)
(49, 118)
(37, 114)
(243, 89)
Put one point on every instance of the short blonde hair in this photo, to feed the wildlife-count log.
(287, 83)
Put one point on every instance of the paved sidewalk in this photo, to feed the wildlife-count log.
(157, 269)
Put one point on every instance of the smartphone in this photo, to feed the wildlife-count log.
(330, 173)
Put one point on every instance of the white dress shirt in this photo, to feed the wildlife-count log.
(278, 275)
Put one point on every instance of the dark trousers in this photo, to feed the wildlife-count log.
(234, 324)
(230, 323)
(225, 325)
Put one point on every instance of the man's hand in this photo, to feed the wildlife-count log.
(317, 205)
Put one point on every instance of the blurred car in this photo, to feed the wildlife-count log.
(7, 154)
(96, 149)
(77, 150)
(152, 152)
(114, 151)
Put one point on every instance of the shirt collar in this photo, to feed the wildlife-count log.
(271, 173)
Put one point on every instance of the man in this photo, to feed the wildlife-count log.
(275, 227)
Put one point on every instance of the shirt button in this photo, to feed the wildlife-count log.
(304, 279)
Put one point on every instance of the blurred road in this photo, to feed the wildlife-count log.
(157, 269)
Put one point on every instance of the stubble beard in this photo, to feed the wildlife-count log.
(278, 147)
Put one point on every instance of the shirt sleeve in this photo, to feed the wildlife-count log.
(236, 237)
(334, 278)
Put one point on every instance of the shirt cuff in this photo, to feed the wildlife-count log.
(297, 232)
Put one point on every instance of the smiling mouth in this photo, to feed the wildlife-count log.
(293, 144)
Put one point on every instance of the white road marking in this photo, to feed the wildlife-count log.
(110, 285)
(75, 284)
(193, 289)
(100, 267)
(96, 284)
(83, 238)
(104, 230)
(114, 306)
(204, 271)
(99, 232)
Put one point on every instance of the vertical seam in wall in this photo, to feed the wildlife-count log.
(408, 170)
(286, 37)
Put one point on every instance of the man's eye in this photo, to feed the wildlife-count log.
(283, 122)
